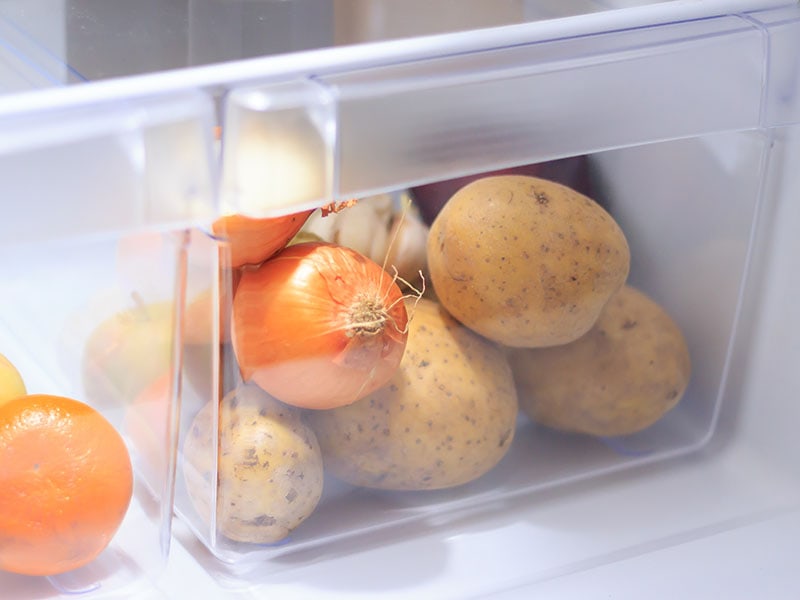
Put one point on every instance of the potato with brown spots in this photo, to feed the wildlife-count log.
(269, 472)
(626, 373)
(445, 418)
(525, 261)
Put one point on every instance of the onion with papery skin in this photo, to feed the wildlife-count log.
(318, 325)
(252, 241)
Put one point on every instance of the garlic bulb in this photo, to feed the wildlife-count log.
(388, 231)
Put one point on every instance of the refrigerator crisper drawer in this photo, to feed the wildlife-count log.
(83, 300)
(125, 288)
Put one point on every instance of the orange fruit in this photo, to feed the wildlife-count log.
(65, 484)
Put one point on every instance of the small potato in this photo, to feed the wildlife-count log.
(446, 417)
(270, 467)
(624, 375)
(524, 261)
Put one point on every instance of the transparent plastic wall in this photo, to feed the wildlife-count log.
(93, 268)
(671, 128)
(47, 42)
(31, 51)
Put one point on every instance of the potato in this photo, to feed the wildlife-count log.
(525, 261)
(270, 467)
(629, 370)
(446, 417)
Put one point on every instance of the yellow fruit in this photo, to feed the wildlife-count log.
(11, 384)
(127, 352)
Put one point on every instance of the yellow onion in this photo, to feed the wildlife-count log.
(318, 325)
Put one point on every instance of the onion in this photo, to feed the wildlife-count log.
(252, 241)
(318, 325)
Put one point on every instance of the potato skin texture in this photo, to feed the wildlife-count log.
(445, 418)
(270, 466)
(524, 261)
(626, 373)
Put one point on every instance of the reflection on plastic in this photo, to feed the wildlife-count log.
(68, 583)
(112, 569)
(623, 447)
(278, 144)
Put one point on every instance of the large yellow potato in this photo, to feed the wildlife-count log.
(445, 418)
(269, 472)
(629, 370)
(525, 261)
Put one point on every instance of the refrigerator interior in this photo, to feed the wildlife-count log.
(681, 121)
(59, 41)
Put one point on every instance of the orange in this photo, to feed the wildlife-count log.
(65, 484)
